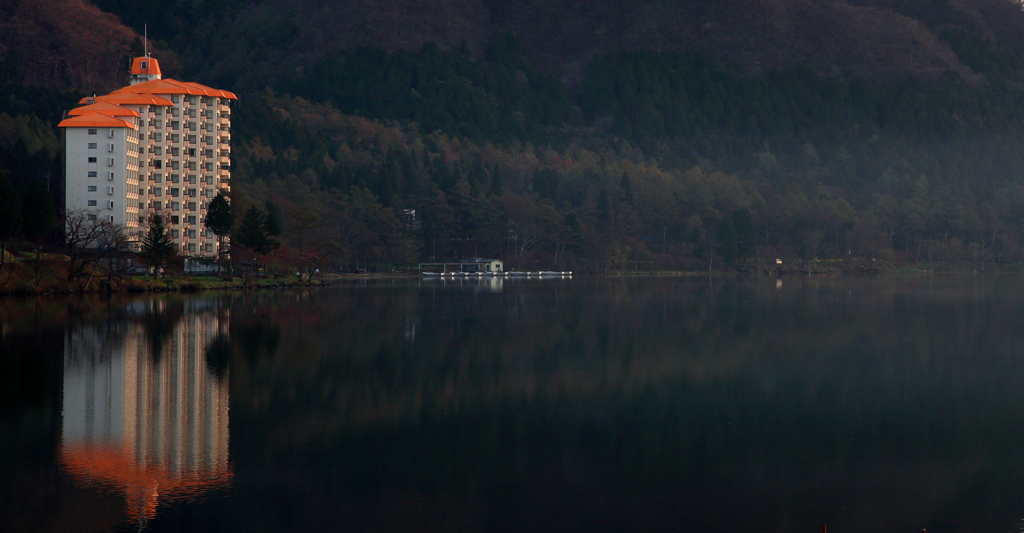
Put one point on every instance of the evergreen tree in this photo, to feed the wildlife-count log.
(627, 188)
(273, 221)
(496, 185)
(219, 220)
(38, 219)
(603, 210)
(38, 215)
(727, 240)
(253, 233)
(10, 214)
(157, 247)
(745, 238)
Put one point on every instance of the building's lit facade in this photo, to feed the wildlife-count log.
(158, 146)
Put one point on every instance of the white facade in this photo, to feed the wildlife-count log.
(185, 160)
(102, 173)
(173, 164)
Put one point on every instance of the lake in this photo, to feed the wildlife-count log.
(588, 404)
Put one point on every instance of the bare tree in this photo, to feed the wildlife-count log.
(89, 241)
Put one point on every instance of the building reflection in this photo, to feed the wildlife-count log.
(143, 414)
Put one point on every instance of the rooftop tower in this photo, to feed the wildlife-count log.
(144, 69)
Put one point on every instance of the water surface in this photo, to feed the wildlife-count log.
(633, 404)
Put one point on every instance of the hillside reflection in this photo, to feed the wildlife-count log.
(870, 404)
(143, 414)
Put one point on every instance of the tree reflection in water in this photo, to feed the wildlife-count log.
(625, 404)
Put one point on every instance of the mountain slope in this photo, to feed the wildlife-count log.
(249, 43)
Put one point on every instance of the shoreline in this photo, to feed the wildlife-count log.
(188, 284)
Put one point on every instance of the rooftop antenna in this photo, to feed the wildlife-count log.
(145, 39)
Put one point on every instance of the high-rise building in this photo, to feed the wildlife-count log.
(158, 146)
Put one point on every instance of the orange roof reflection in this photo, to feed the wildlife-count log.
(144, 485)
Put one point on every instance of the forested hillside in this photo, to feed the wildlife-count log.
(470, 130)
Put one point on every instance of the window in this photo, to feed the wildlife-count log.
(191, 220)
(191, 246)
(175, 98)
(158, 177)
(192, 207)
(92, 202)
(175, 125)
(92, 146)
(158, 205)
(110, 147)
(92, 188)
(174, 232)
(92, 217)
(158, 150)
(110, 133)
(110, 204)
(191, 232)
(92, 159)
(92, 131)
(175, 178)
(158, 164)
(191, 178)
(110, 161)
(191, 152)
(145, 65)
(175, 138)
(175, 219)
(142, 190)
(158, 137)
(92, 173)
(175, 192)
(110, 189)
(174, 207)
(158, 191)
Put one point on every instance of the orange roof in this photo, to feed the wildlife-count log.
(104, 108)
(144, 485)
(152, 66)
(169, 86)
(129, 98)
(95, 120)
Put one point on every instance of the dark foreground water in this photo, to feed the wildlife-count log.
(672, 404)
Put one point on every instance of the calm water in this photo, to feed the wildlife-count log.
(873, 404)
